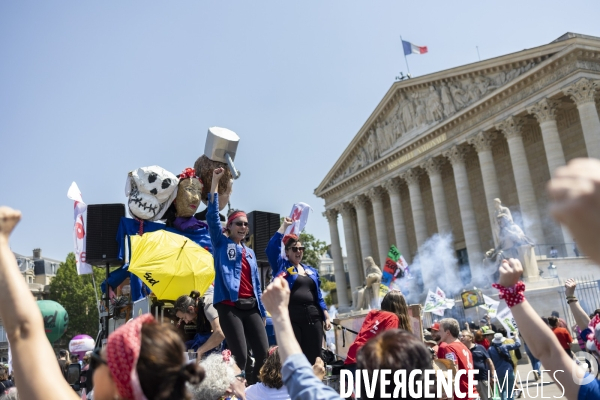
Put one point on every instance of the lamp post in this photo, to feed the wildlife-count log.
(552, 270)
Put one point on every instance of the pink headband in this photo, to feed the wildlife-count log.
(235, 215)
(122, 352)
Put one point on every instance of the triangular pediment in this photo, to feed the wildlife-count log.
(415, 107)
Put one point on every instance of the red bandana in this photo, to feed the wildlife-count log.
(122, 352)
(235, 215)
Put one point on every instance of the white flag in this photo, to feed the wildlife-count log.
(491, 306)
(299, 215)
(449, 302)
(434, 304)
(79, 230)
(508, 321)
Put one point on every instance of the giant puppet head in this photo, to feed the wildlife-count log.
(189, 193)
(219, 152)
(150, 191)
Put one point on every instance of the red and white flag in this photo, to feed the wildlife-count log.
(79, 230)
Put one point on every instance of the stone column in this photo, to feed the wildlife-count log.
(483, 145)
(393, 188)
(511, 127)
(383, 244)
(338, 259)
(354, 269)
(545, 112)
(582, 92)
(416, 204)
(456, 155)
(360, 204)
(433, 166)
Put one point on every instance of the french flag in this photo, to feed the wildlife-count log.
(410, 48)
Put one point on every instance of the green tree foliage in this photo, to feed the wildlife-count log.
(76, 294)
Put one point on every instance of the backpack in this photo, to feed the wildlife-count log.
(504, 354)
(202, 323)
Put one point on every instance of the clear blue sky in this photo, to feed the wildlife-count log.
(90, 90)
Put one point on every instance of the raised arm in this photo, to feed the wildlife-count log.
(212, 215)
(541, 340)
(581, 318)
(273, 249)
(32, 353)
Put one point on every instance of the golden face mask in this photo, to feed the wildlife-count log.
(188, 197)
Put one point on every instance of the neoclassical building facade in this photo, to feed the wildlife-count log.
(438, 150)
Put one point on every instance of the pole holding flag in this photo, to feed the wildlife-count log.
(409, 48)
(79, 230)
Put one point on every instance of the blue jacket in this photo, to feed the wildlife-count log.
(229, 270)
(280, 264)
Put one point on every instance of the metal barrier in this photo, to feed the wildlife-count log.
(557, 250)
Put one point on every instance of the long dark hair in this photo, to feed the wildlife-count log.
(395, 302)
(161, 366)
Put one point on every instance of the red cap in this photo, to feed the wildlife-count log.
(435, 327)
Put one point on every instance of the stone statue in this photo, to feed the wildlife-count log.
(381, 137)
(359, 162)
(435, 111)
(406, 112)
(473, 93)
(372, 147)
(447, 102)
(512, 242)
(458, 95)
(484, 84)
(388, 130)
(368, 295)
(420, 113)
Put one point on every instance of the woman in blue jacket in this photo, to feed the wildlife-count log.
(237, 295)
(308, 310)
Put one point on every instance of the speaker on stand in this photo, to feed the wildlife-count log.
(262, 226)
(102, 248)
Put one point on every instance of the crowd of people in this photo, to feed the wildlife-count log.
(146, 360)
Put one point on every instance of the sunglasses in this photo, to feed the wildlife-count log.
(296, 248)
(96, 360)
(241, 223)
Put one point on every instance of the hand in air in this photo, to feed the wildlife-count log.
(287, 221)
(9, 218)
(510, 272)
(570, 286)
(218, 174)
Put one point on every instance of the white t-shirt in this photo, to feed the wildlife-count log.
(260, 392)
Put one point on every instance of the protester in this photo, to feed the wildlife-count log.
(63, 363)
(540, 339)
(237, 296)
(307, 307)
(200, 311)
(561, 322)
(457, 353)
(223, 378)
(482, 363)
(435, 334)
(142, 358)
(536, 365)
(393, 315)
(504, 364)
(563, 335)
(5, 382)
(483, 337)
(393, 349)
(271, 384)
(86, 380)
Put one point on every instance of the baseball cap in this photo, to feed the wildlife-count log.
(435, 327)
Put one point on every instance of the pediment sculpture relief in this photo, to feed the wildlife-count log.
(418, 110)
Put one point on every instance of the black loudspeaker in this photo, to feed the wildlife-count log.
(262, 226)
(102, 226)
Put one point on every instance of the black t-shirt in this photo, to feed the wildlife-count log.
(480, 355)
(304, 291)
(64, 367)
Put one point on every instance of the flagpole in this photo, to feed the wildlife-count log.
(403, 52)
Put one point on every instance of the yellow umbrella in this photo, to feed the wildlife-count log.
(171, 264)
